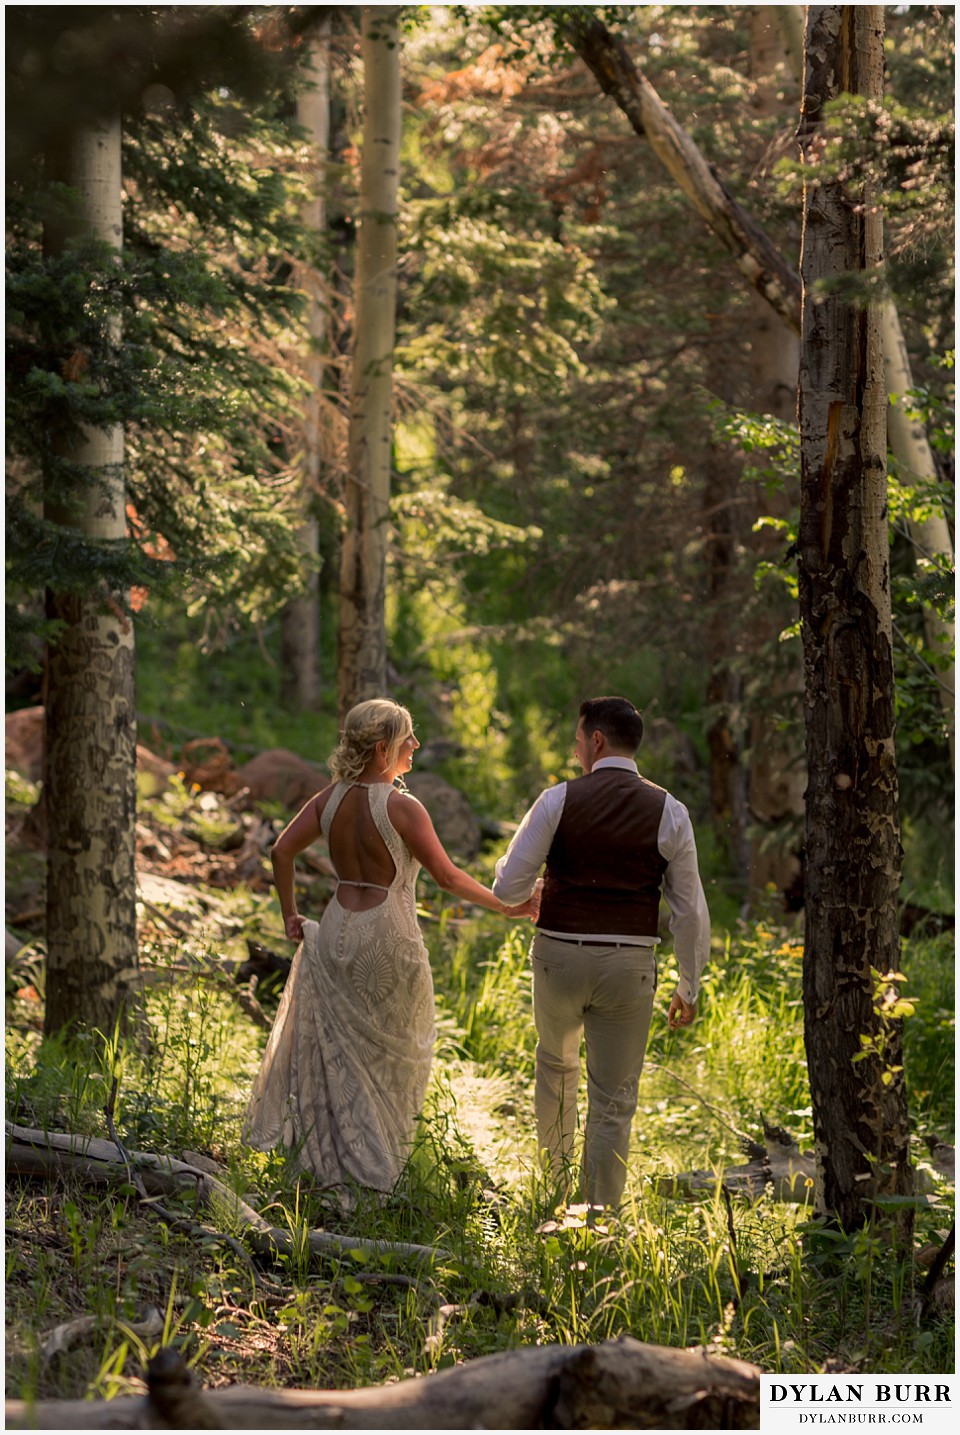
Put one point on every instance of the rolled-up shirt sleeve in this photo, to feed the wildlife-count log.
(684, 895)
(519, 867)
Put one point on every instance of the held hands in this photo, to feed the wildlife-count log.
(529, 908)
(293, 927)
(681, 1013)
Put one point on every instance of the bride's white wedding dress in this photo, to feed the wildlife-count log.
(346, 1066)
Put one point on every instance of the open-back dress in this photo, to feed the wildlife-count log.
(347, 1063)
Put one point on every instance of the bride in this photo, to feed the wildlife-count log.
(346, 1066)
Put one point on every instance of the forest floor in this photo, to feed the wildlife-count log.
(97, 1281)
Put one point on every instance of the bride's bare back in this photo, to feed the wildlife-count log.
(359, 854)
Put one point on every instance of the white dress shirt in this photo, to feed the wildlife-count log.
(519, 868)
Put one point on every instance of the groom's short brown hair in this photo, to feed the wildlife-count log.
(616, 718)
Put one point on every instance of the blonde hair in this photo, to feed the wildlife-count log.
(377, 720)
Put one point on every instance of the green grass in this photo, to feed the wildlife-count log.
(666, 1272)
(778, 1291)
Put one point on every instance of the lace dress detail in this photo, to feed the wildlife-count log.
(346, 1067)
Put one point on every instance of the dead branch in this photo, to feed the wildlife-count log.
(741, 1136)
(73, 1331)
(787, 1170)
(164, 917)
(33, 1153)
(154, 976)
(621, 1384)
(151, 1203)
(70, 1333)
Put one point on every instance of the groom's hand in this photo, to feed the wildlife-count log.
(525, 909)
(681, 1013)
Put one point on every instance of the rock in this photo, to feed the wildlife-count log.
(24, 738)
(279, 775)
(153, 773)
(436, 750)
(14, 946)
(452, 816)
(25, 742)
(206, 763)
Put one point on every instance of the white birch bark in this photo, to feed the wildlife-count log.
(931, 536)
(300, 619)
(905, 437)
(748, 245)
(90, 737)
(777, 769)
(362, 641)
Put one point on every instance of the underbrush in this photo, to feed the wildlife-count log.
(757, 1279)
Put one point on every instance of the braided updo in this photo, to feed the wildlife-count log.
(377, 720)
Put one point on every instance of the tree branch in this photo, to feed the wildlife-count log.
(620, 1384)
(754, 255)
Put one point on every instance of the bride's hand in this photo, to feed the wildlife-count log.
(529, 908)
(293, 926)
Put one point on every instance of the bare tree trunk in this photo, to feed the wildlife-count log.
(362, 647)
(777, 774)
(300, 619)
(723, 525)
(906, 440)
(931, 536)
(752, 252)
(617, 1385)
(90, 747)
(755, 256)
(854, 1049)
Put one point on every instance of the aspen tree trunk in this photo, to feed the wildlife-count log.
(726, 535)
(931, 536)
(300, 619)
(854, 1051)
(777, 775)
(362, 647)
(758, 260)
(906, 440)
(90, 738)
(751, 250)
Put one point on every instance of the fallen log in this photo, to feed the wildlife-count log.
(64, 1337)
(621, 1384)
(40, 1153)
(778, 1166)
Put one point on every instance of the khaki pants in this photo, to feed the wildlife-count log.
(604, 993)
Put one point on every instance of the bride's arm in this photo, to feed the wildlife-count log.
(412, 821)
(295, 837)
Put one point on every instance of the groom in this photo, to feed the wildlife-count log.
(610, 840)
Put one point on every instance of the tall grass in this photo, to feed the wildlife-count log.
(755, 1279)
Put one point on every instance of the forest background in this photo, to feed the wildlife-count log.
(594, 487)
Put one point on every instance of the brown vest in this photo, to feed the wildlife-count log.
(604, 869)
